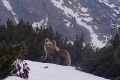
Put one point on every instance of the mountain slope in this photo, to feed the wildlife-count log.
(55, 72)
(97, 19)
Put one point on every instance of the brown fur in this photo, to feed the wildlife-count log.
(49, 48)
(55, 55)
(64, 57)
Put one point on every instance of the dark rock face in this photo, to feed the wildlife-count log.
(97, 19)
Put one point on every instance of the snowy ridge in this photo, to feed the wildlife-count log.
(8, 6)
(43, 22)
(45, 71)
(110, 5)
(86, 18)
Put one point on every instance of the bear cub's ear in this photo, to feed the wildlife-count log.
(54, 42)
(47, 40)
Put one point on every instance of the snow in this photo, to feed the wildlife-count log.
(96, 27)
(67, 23)
(66, 10)
(117, 11)
(46, 21)
(86, 17)
(105, 1)
(84, 9)
(8, 6)
(70, 2)
(70, 42)
(13, 78)
(43, 22)
(109, 4)
(36, 24)
(47, 71)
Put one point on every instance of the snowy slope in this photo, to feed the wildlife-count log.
(83, 18)
(55, 72)
(79, 19)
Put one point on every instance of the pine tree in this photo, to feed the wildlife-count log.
(119, 35)
(116, 45)
(89, 58)
(115, 41)
(3, 31)
(10, 32)
(78, 47)
(117, 55)
(8, 56)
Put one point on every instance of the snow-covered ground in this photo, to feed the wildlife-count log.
(45, 71)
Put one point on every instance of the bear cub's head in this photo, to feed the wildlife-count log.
(49, 46)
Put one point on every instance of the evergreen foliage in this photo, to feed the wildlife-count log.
(89, 58)
(8, 54)
(107, 63)
(76, 55)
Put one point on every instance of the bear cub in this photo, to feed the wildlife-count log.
(55, 55)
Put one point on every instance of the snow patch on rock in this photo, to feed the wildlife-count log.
(43, 23)
(8, 6)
